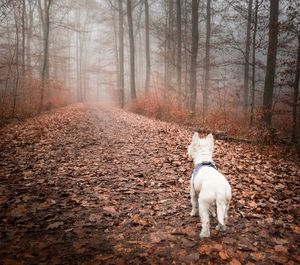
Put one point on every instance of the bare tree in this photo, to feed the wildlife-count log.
(17, 43)
(131, 49)
(295, 130)
(23, 36)
(271, 64)
(194, 53)
(45, 18)
(147, 41)
(29, 30)
(253, 83)
(247, 56)
(207, 58)
(169, 44)
(178, 39)
(121, 52)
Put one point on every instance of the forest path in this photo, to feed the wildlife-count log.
(89, 184)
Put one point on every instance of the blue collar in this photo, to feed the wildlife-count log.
(200, 165)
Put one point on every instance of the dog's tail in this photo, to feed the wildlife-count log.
(221, 210)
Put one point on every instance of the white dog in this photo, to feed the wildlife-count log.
(209, 188)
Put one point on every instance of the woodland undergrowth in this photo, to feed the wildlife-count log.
(229, 123)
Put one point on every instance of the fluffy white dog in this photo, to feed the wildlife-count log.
(209, 188)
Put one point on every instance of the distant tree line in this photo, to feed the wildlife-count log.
(232, 56)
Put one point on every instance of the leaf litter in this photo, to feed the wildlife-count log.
(88, 184)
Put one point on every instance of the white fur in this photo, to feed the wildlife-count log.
(209, 188)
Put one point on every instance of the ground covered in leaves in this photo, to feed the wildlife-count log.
(88, 184)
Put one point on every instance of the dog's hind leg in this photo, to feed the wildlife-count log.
(212, 210)
(221, 214)
(194, 201)
(204, 216)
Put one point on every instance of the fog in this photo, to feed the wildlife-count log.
(82, 53)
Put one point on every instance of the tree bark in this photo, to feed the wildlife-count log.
(169, 62)
(17, 74)
(131, 50)
(178, 31)
(194, 53)
(186, 57)
(295, 129)
(147, 40)
(121, 52)
(247, 57)
(29, 25)
(117, 51)
(45, 17)
(23, 37)
(271, 64)
(253, 64)
(207, 58)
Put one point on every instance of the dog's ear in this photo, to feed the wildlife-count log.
(210, 139)
(195, 137)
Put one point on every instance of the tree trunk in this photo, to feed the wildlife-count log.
(207, 58)
(169, 65)
(271, 64)
(117, 52)
(23, 37)
(17, 74)
(295, 131)
(148, 63)
(121, 52)
(45, 17)
(78, 55)
(247, 57)
(29, 24)
(178, 31)
(131, 50)
(186, 60)
(194, 53)
(253, 64)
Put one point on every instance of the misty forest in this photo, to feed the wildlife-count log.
(99, 101)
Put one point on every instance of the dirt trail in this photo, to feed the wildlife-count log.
(88, 184)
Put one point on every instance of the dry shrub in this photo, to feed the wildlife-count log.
(229, 122)
(159, 107)
(29, 95)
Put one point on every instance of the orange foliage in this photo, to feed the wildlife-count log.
(156, 106)
(230, 122)
(28, 98)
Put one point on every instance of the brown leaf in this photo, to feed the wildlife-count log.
(95, 218)
(138, 220)
(234, 262)
(257, 256)
(252, 204)
(100, 258)
(110, 209)
(18, 211)
(296, 229)
(281, 249)
(223, 255)
(55, 225)
(157, 237)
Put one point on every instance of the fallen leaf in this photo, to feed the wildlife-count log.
(55, 225)
(138, 220)
(257, 256)
(223, 255)
(234, 262)
(110, 209)
(18, 211)
(281, 249)
(95, 218)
